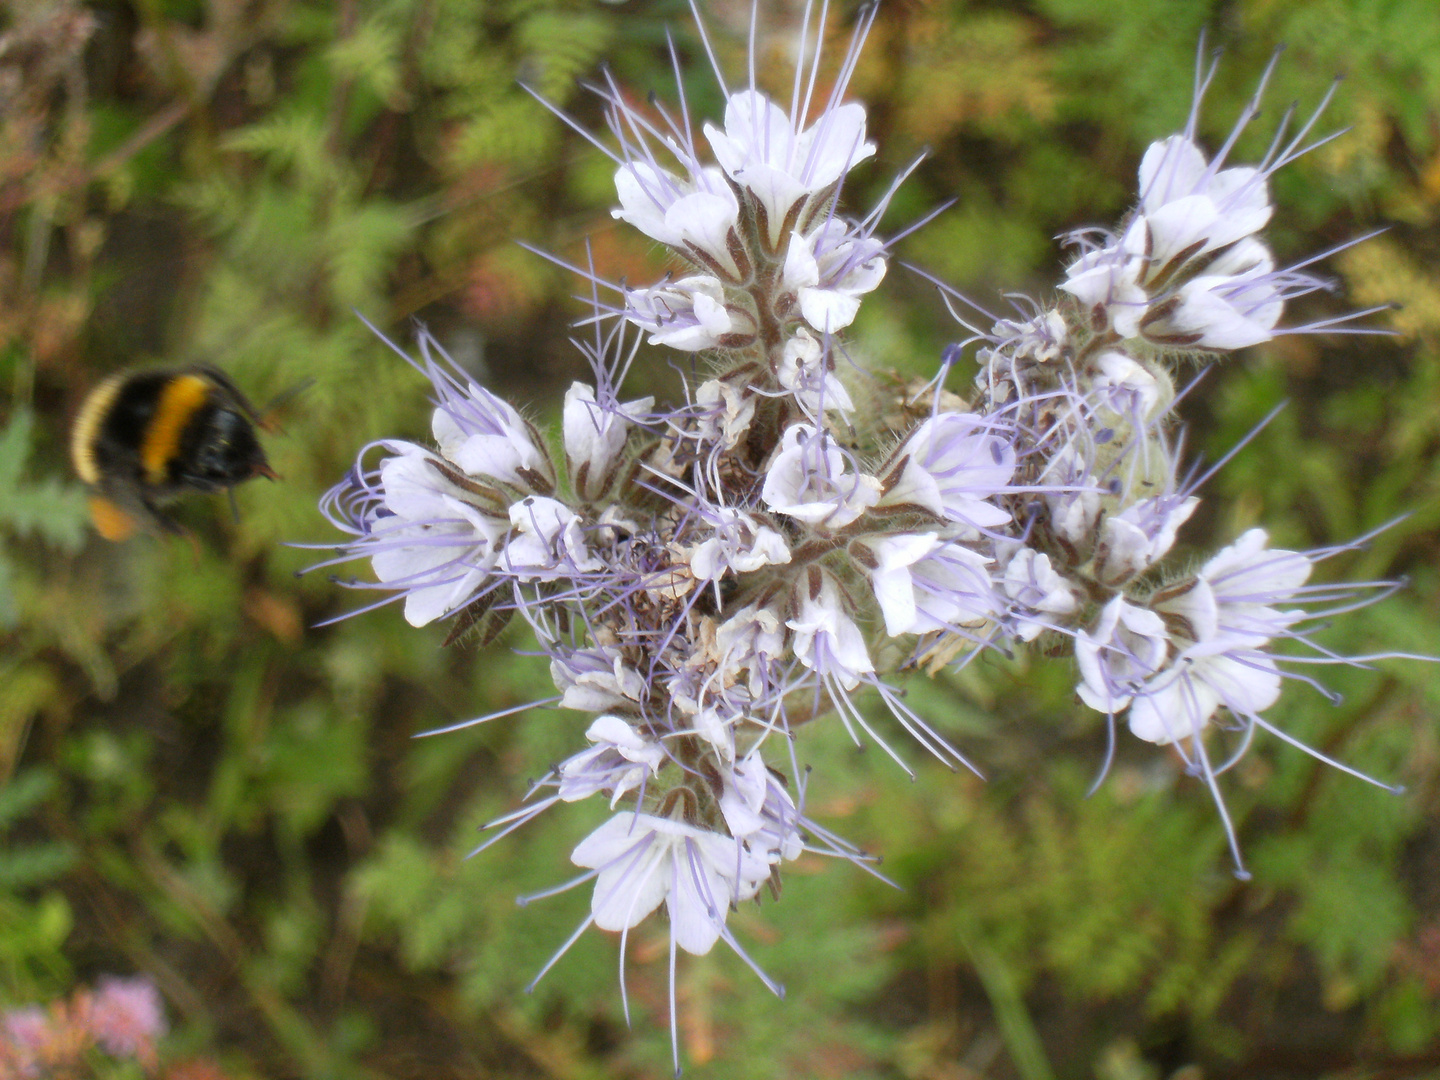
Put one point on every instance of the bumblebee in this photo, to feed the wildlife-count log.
(144, 436)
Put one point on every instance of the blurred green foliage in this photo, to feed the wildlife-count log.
(208, 782)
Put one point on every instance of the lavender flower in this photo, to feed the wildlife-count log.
(695, 216)
(954, 465)
(643, 860)
(1125, 646)
(690, 314)
(808, 480)
(787, 173)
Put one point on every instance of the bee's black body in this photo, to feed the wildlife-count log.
(142, 437)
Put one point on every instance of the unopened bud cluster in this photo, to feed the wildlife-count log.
(709, 576)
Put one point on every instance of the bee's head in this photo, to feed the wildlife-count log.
(229, 453)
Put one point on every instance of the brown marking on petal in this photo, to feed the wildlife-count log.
(479, 622)
(1180, 341)
(682, 799)
(814, 207)
(735, 248)
(539, 444)
(1177, 262)
(761, 218)
(892, 478)
(1102, 553)
(791, 217)
(1173, 592)
(1179, 626)
(467, 483)
(862, 554)
(705, 260)
(769, 593)
(792, 605)
(711, 775)
(814, 581)
(1072, 554)
(1162, 310)
(536, 482)
(773, 884)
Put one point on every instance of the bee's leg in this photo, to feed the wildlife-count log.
(166, 524)
(162, 521)
(111, 520)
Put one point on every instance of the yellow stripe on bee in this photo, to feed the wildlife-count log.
(182, 396)
(87, 425)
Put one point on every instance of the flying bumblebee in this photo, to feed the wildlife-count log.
(143, 436)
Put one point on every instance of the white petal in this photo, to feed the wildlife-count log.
(896, 595)
(633, 863)
(699, 900)
(1197, 606)
(1183, 223)
(834, 144)
(828, 310)
(644, 193)
(801, 270)
(1174, 711)
(1171, 168)
(704, 220)
(1244, 199)
(1247, 687)
(1208, 308)
(1126, 549)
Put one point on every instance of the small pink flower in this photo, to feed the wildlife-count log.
(127, 1016)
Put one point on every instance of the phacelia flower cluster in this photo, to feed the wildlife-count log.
(708, 576)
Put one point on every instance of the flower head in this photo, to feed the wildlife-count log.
(1125, 647)
(924, 583)
(805, 372)
(707, 578)
(829, 270)
(1228, 613)
(620, 761)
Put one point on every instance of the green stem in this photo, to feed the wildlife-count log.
(1022, 1041)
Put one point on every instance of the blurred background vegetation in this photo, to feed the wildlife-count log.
(202, 787)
